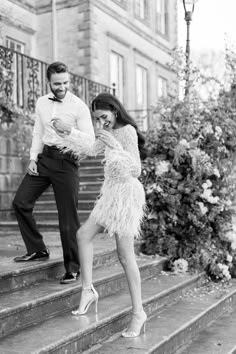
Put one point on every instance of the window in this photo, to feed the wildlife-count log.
(141, 86)
(162, 87)
(162, 16)
(140, 9)
(141, 97)
(116, 73)
(15, 45)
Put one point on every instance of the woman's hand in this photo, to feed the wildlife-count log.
(61, 128)
(107, 138)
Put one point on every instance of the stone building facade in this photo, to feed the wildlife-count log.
(126, 42)
(123, 42)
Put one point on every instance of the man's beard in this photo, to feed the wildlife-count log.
(57, 94)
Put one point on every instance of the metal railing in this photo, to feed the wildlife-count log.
(26, 80)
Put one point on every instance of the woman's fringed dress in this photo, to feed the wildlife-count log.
(120, 206)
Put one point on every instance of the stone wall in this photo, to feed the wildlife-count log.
(12, 169)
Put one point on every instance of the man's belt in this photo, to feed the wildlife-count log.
(55, 153)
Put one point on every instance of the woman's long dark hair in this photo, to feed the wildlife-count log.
(108, 102)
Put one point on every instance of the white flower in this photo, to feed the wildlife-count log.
(218, 130)
(208, 129)
(180, 266)
(207, 184)
(207, 193)
(161, 167)
(159, 189)
(150, 189)
(231, 237)
(228, 203)
(229, 258)
(216, 172)
(203, 208)
(224, 270)
(184, 143)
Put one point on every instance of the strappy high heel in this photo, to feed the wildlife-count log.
(138, 323)
(92, 296)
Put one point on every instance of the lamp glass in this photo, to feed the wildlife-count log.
(189, 4)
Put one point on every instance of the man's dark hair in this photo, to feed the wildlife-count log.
(56, 68)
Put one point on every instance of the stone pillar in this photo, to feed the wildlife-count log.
(87, 52)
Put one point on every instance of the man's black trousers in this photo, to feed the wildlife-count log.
(61, 171)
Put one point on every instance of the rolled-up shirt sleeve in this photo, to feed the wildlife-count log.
(38, 131)
(84, 134)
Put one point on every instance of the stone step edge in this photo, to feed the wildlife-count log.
(81, 201)
(122, 316)
(24, 315)
(100, 258)
(203, 319)
(174, 342)
(76, 289)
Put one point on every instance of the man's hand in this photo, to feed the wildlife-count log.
(61, 128)
(33, 168)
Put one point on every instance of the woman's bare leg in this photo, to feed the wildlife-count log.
(85, 236)
(126, 254)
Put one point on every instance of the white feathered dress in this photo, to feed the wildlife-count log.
(120, 207)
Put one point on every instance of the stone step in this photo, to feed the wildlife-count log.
(47, 225)
(74, 334)
(51, 205)
(170, 328)
(90, 185)
(83, 195)
(217, 338)
(94, 162)
(83, 170)
(91, 177)
(14, 276)
(52, 215)
(46, 299)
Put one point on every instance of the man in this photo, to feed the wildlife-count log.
(49, 166)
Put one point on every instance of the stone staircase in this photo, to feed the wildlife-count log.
(186, 314)
(46, 215)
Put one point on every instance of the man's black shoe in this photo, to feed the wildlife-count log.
(69, 277)
(36, 256)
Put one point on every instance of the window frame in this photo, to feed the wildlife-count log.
(16, 43)
(119, 81)
(163, 79)
(145, 9)
(163, 15)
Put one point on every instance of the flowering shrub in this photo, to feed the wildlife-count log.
(15, 123)
(189, 182)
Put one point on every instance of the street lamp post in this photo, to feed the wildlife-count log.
(54, 30)
(188, 13)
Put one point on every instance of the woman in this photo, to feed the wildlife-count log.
(113, 212)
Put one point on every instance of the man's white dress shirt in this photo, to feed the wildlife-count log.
(72, 110)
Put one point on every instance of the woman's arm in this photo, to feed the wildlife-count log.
(123, 156)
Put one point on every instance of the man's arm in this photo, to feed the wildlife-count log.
(84, 122)
(38, 130)
(84, 134)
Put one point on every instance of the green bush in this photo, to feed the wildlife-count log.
(15, 123)
(189, 181)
